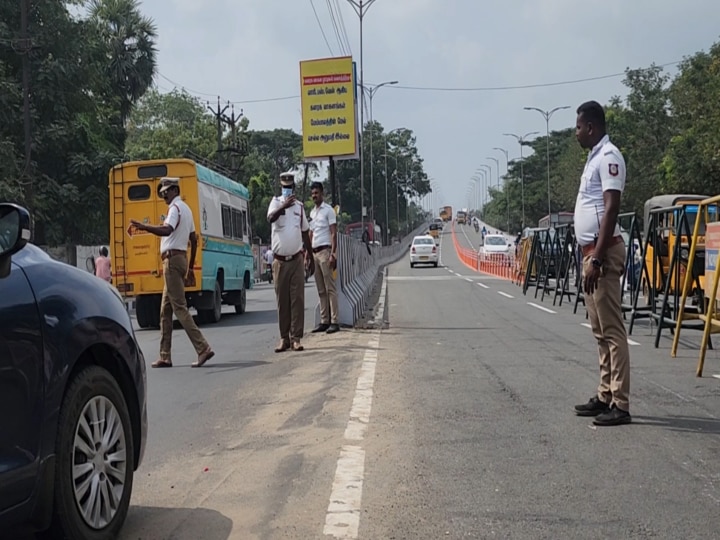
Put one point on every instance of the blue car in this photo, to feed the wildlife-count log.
(73, 419)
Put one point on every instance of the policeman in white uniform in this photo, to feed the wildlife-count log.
(603, 250)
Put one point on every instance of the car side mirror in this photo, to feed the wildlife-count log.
(14, 233)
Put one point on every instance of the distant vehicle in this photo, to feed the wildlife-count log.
(439, 221)
(461, 217)
(73, 389)
(434, 231)
(365, 231)
(446, 213)
(224, 263)
(424, 251)
(555, 219)
(494, 245)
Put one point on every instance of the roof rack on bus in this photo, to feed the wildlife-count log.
(212, 165)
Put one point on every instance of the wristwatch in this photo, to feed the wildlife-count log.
(597, 263)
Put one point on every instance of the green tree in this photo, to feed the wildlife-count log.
(691, 163)
(129, 39)
(166, 125)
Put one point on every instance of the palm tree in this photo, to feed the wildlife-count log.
(129, 40)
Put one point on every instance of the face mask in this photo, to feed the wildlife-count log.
(286, 192)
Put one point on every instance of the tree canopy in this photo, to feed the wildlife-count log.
(665, 128)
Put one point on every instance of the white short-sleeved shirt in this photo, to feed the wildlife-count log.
(604, 171)
(321, 217)
(180, 218)
(287, 230)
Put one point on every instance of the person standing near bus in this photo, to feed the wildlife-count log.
(177, 230)
(323, 235)
(289, 233)
(103, 266)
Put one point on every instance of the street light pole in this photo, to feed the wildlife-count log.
(371, 92)
(547, 115)
(361, 7)
(497, 168)
(521, 141)
(507, 193)
(387, 212)
(487, 170)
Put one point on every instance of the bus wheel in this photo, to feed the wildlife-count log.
(242, 305)
(213, 314)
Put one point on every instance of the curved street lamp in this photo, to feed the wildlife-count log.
(547, 115)
(371, 90)
(521, 140)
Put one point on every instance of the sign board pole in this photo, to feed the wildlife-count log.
(333, 183)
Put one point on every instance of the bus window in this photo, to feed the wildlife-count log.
(139, 192)
(152, 171)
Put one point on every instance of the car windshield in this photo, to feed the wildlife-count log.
(423, 241)
(495, 241)
(434, 227)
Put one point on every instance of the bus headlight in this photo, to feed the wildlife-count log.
(684, 253)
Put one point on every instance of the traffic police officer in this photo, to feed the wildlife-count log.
(603, 250)
(289, 235)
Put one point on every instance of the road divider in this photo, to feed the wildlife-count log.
(496, 264)
(358, 267)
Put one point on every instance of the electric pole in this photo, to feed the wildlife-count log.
(218, 114)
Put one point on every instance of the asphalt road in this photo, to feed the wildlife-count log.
(453, 421)
(473, 433)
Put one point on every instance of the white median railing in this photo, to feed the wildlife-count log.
(358, 267)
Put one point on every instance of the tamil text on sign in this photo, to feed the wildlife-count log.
(328, 108)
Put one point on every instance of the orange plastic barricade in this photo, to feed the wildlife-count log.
(496, 264)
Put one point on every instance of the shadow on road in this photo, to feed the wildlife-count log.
(177, 523)
(690, 424)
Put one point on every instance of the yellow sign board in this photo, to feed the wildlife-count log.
(328, 108)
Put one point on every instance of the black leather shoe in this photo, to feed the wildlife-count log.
(593, 407)
(320, 328)
(616, 417)
(333, 328)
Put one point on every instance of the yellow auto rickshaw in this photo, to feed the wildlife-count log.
(662, 223)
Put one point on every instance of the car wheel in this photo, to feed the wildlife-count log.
(95, 458)
(435, 265)
(412, 265)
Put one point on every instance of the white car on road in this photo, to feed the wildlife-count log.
(424, 251)
(494, 245)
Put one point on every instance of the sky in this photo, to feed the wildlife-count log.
(249, 50)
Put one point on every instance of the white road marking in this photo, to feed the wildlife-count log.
(506, 295)
(543, 308)
(421, 278)
(482, 285)
(630, 341)
(342, 519)
(343, 515)
(468, 279)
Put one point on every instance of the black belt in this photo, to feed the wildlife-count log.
(320, 248)
(171, 253)
(287, 258)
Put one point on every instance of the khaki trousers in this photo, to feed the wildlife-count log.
(173, 301)
(289, 278)
(605, 312)
(327, 290)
